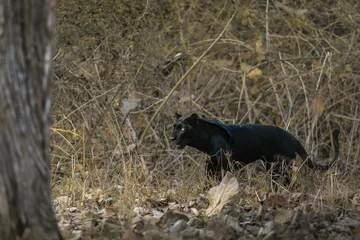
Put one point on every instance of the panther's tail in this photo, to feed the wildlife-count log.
(318, 166)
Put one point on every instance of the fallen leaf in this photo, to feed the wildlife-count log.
(283, 216)
(128, 105)
(220, 195)
(268, 227)
(224, 63)
(178, 226)
(195, 211)
(318, 105)
(171, 217)
(63, 200)
(250, 72)
(254, 73)
(245, 67)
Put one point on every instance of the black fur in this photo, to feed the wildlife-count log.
(246, 143)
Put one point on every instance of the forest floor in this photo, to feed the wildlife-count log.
(293, 64)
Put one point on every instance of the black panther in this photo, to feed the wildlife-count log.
(245, 143)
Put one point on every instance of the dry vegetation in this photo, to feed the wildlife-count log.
(294, 64)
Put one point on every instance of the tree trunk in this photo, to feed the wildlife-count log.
(26, 51)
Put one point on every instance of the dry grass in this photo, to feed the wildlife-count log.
(295, 67)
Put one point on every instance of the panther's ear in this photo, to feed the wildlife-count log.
(194, 118)
(177, 116)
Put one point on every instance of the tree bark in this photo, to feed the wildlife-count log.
(26, 52)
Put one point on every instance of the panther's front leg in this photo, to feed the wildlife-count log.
(217, 166)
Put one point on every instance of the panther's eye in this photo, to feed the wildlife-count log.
(182, 129)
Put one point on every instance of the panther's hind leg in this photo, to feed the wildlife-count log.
(280, 169)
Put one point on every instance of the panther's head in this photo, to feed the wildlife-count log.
(185, 130)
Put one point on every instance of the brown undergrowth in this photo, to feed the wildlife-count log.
(290, 64)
